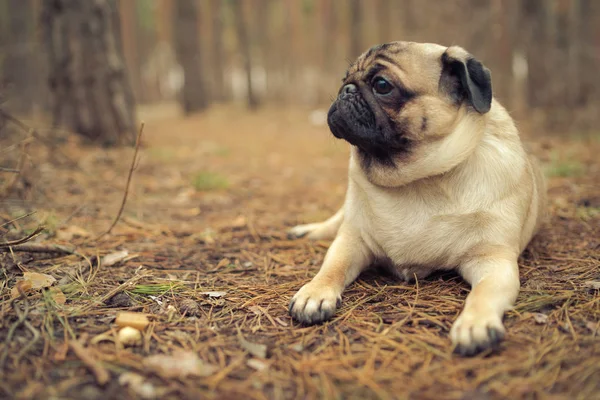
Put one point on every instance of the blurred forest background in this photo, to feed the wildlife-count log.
(544, 54)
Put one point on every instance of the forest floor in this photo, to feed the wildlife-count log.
(201, 248)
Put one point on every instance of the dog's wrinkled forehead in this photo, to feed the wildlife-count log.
(417, 65)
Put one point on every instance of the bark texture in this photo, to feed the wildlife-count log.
(90, 90)
(187, 49)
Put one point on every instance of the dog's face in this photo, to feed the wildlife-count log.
(405, 104)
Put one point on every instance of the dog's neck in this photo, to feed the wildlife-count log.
(475, 142)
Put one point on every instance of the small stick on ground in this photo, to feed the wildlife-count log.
(16, 219)
(11, 170)
(27, 238)
(38, 248)
(100, 373)
(133, 163)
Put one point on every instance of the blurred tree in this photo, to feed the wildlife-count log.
(244, 47)
(187, 49)
(328, 23)
(217, 58)
(589, 35)
(290, 43)
(130, 43)
(504, 13)
(19, 67)
(356, 31)
(165, 20)
(384, 9)
(91, 94)
(537, 15)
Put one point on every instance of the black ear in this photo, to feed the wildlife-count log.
(465, 77)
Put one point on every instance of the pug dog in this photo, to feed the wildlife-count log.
(438, 180)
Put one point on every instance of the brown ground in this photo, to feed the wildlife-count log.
(209, 204)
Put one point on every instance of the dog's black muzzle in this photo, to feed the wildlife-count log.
(350, 118)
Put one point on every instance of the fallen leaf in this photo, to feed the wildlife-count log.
(58, 296)
(257, 350)
(214, 294)
(592, 285)
(70, 232)
(257, 364)
(592, 326)
(540, 318)
(178, 365)
(114, 258)
(38, 281)
(23, 285)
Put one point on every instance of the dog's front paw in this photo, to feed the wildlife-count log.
(299, 231)
(314, 303)
(473, 332)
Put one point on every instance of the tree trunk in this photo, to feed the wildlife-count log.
(589, 35)
(262, 14)
(384, 10)
(502, 41)
(356, 31)
(164, 20)
(91, 94)
(244, 47)
(290, 46)
(19, 67)
(328, 24)
(219, 92)
(540, 51)
(130, 44)
(187, 49)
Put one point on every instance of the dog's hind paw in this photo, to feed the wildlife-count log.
(316, 231)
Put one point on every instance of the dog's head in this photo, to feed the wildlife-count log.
(411, 110)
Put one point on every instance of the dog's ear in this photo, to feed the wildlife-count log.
(464, 77)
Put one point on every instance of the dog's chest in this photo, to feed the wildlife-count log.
(415, 229)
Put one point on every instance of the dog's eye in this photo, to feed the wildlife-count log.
(381, 86)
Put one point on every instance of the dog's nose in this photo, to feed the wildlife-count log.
(350, 88)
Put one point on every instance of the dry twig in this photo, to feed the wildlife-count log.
(133, 163)
(11, 170)
(16, 219)
(6, 245)
(38, 248)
